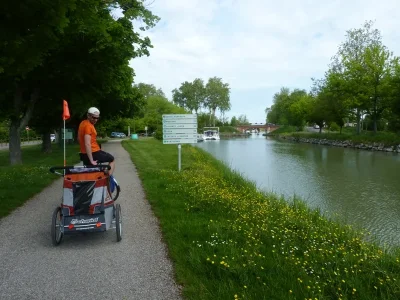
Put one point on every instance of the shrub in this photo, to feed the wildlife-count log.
(334, 127)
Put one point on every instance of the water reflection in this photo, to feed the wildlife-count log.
(360, 187)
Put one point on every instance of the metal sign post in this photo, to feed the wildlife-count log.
(179, 157)
(180, 129)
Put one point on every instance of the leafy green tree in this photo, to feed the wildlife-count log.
(379, 69)
(28, 31)
(190, 95)
(183, 97)
(242, 120)
(299, 109)
(234, 121)
(393, 113)
(318, 104)
(155, 107)
(198, 95)
(178, 98)
(217, 96)
(350, 62)
(316, 112)
(279, 110)
(68, 51)
(273, 115)
(148, 90)
(289, 108)
(335, 99)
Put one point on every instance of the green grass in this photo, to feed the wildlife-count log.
(19, 183)
(284, 129)
(226, 238)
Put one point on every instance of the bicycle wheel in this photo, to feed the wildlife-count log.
(56, 227)
(117, 189)
(118, 222)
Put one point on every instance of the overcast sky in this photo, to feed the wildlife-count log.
(257, 46)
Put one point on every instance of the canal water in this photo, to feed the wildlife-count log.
(360, 187)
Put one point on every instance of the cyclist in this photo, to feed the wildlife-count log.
(90, 151)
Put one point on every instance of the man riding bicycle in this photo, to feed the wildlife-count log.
(90, 151)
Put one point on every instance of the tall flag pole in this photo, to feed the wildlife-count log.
(65, 116)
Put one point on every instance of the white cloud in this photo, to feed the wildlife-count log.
(256, 46)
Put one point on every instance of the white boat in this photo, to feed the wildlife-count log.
(211, 133)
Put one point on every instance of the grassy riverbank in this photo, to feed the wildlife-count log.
(229, 241)
(19, 183)
(348, 134)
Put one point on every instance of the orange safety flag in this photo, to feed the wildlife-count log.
(66, 115)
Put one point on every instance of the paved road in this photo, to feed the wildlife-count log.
(312, 129)
(4, 146)
(93, 266)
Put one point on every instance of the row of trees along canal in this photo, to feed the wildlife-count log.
(195, 95)
(189, 98)
(361, 84)
(73, 50)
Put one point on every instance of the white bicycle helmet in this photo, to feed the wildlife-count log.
(93, 111)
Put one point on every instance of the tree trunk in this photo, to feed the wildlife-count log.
(375, 117)
(15, 154)
(46, 144)
(213, 113)
(358, 114)
(18, 123)
(341, 127)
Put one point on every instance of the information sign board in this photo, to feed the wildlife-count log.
(179, 129)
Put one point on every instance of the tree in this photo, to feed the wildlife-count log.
(66, 51)
(28, 31)
(289, 108)
(183, 96)
(148, 90)
(155, 107)
(349, 61)
(278, 112)
(318, 106)
(242, 120)
(190, 95)
(217, 96)
(198, 95)
(379, 69)
(299, 109)
(234, 121)
(394, 108)
(335, 98)
(316, 112)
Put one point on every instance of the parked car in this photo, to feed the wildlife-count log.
(118, 135)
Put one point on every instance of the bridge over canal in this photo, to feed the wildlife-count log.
(258, 127)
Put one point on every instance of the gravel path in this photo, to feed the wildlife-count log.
(91, 266)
